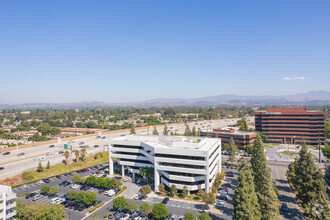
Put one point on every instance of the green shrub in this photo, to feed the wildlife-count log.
(23, 194)
(97, 206)
(107, 215)
(28, 176)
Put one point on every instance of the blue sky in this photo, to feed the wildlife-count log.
(119, 51)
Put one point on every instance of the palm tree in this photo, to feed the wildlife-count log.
(76, 153)
(83, 153)
(66, 155)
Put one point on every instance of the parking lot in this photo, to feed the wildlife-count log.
(70, 213)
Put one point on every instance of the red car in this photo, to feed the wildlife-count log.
(86, 170)
(225, 187)
(149, 215)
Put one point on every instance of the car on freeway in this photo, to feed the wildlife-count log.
(96, 145)
(103, 137)
(165, 201)
(20, 154)
(42, 159)
(6, 153)
(71, 141)
(61, 152)
(50, 146)
(49, 153)
(81, 143)
(37, 197)
(1, 168)
(285, 207)
(30, 195)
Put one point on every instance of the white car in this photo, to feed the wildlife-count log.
(137, 218)
(93, 190)
(181, 217)
(125, 217)
(223, 192)
(54, 200)
(41, 182)
(42, 159)
(25, 186)
(74, 186)
(50, 153)
(219, 204)
(174, 217)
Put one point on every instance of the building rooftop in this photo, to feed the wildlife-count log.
(179, 142)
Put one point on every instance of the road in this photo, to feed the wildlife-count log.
(15, 165)
(285, 193)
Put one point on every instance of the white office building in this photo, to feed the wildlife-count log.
(6, 203)
(182, 161)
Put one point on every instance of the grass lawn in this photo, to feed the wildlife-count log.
(288, 153)
(33, 175)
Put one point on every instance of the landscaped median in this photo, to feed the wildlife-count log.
(107, 215)
(23, 194)
(121, 190)
(57, 169)
(95, 207)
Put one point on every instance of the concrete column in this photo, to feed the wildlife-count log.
(133, 175)
(122, 170)
(156, 179)
(207, 186)
(110, 163)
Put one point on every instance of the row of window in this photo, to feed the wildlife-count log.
(182, 174)
(180, 157)
(217, 148)
(183, 182)
(136, 161)
(181, 165)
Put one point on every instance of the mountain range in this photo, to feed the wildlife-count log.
(302, 99)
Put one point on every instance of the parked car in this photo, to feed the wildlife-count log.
(227, 185)
(181, 217)
(285, 207)
(223, 197)
(46, 180)
(223, 192)
(25, 186)
(58, 176)
(165, 201)
(174, 217)
(219, 204)
(125, 217)
(37, 197)
(112, 215)
(30, 195)
(230, 174)
(41, 182)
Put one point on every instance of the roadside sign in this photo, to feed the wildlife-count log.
(65, 146)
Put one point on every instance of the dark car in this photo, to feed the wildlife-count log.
(76, 206)
(50, 146)
(101, 191)
(285, 207)
(223, 197)
(30, 195)
(227, 185)
(6, 153)
(61, 152)
(165, 201)
(230, 174)
(62, 183)
(66, 184)
(87, 188)
(72, 204)
(96, 145)
(1, 168)
(58, 176)
(46, 180)
(20, 154)
(119, 215)
(112, 215)
(81, 207)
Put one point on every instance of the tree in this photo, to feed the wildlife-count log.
(54, 190)
(308, 182)
(263, 136)
(76, 153)
(55, 130)
(81, 196)
(72, 195)
(159, 211)
(83, 154)
(327, 129)
(189, 216)
(217, 181)
(165, 132)
(120, 203)
(66, 155)
(40, 168)
(242, 125)
(91, 180)
(44, 189)
(208, 198)
(185, 191)
(48, 165)
(76, 178)
(132, 131)
(264, 185)
(246, 200)
(193, 131)
(173, 190)
(132, 207)
(326, 151)
(117, 184)
(201, 193)
(146, 172)
(144, 208)
(204, 216)
(161, 188)
(155, 132)
(90, 198)
(145, 190)
(231, 148)
(187, 131)
(44, 128)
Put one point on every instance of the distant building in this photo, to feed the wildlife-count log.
(292, 125)
(25, 113)
(180, 161)
(241, 138)
(7, 203)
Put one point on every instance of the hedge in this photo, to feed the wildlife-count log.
(121, 190)
(23, 194)
(95, 207)
(107, 215)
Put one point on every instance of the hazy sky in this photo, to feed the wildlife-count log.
(118, 51)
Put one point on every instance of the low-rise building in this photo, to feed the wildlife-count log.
(7, 203)
(241, 138)
(180, 161)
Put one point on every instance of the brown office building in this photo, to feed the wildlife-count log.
(241, 138)
(291, 125)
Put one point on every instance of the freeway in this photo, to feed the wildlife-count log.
(14, 165)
